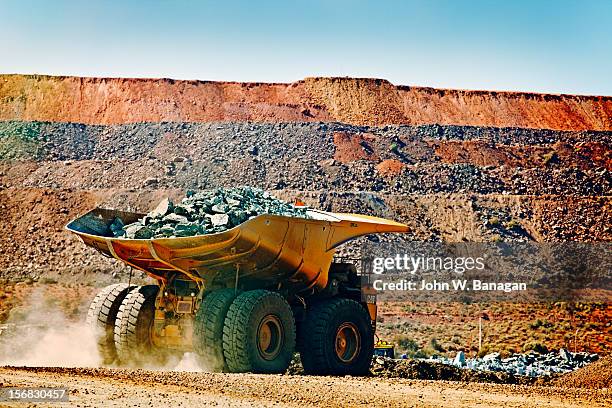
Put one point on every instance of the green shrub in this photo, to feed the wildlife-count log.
(419, 354)
(535, 346)
(493, 221)
(484, 351)
(433, 343)
(513, 225)
(407, 344)
(538, 323)
(551, 157)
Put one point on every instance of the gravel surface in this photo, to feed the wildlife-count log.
(112, 387)
(597, 376)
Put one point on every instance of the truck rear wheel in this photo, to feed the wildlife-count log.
(208, 329)
(337, 338)
(101, 318)
(133, 328)
(259, 333)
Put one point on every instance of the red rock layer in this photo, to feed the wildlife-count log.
(348, 100)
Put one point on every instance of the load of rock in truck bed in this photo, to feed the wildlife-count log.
(205, 213)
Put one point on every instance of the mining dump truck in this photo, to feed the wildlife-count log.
(244, 300)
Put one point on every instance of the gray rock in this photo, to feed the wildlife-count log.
(219, 219)
(254, 150)
(175, 218)
(531, 364)
(164, 207)
(491, 356)
(183, 209)
(187, 230)
(166, 230)
(565, 355)
(233, 203)
(151, 181)
(117, 226)
(459, 360)
(137, 231)
(220, 208)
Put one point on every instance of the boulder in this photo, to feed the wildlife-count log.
(459, 360)
(164, 207)
(218, 220)
(137, 231)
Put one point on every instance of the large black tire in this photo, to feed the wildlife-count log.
(101, 318)
(337, 339)
(259, 333)
(208, 329)
(133, 328)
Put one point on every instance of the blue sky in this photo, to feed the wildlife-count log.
(557, 46)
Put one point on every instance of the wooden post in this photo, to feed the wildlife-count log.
(575, 340)
(479, 333)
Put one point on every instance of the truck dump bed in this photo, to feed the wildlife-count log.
(287, 253)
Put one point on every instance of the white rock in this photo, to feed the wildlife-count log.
(219, 219)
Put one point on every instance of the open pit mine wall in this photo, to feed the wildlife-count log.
(373, 102)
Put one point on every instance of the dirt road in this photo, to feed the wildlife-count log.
(137, 388)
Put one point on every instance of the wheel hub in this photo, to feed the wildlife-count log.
(348, 342)
(270, 337)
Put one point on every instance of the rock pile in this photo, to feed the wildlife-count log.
(532, 364)
(459, 369)
(420, 369)
(205, 213)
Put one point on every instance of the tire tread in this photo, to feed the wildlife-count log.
(317, 349)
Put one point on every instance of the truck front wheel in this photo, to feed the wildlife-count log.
(337, 338)
(208, 329)
(259, 333)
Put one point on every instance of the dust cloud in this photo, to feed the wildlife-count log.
(39, 334)
(188, 363)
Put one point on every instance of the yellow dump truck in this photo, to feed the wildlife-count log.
(244, 300)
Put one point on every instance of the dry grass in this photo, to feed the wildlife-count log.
(513, 327)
